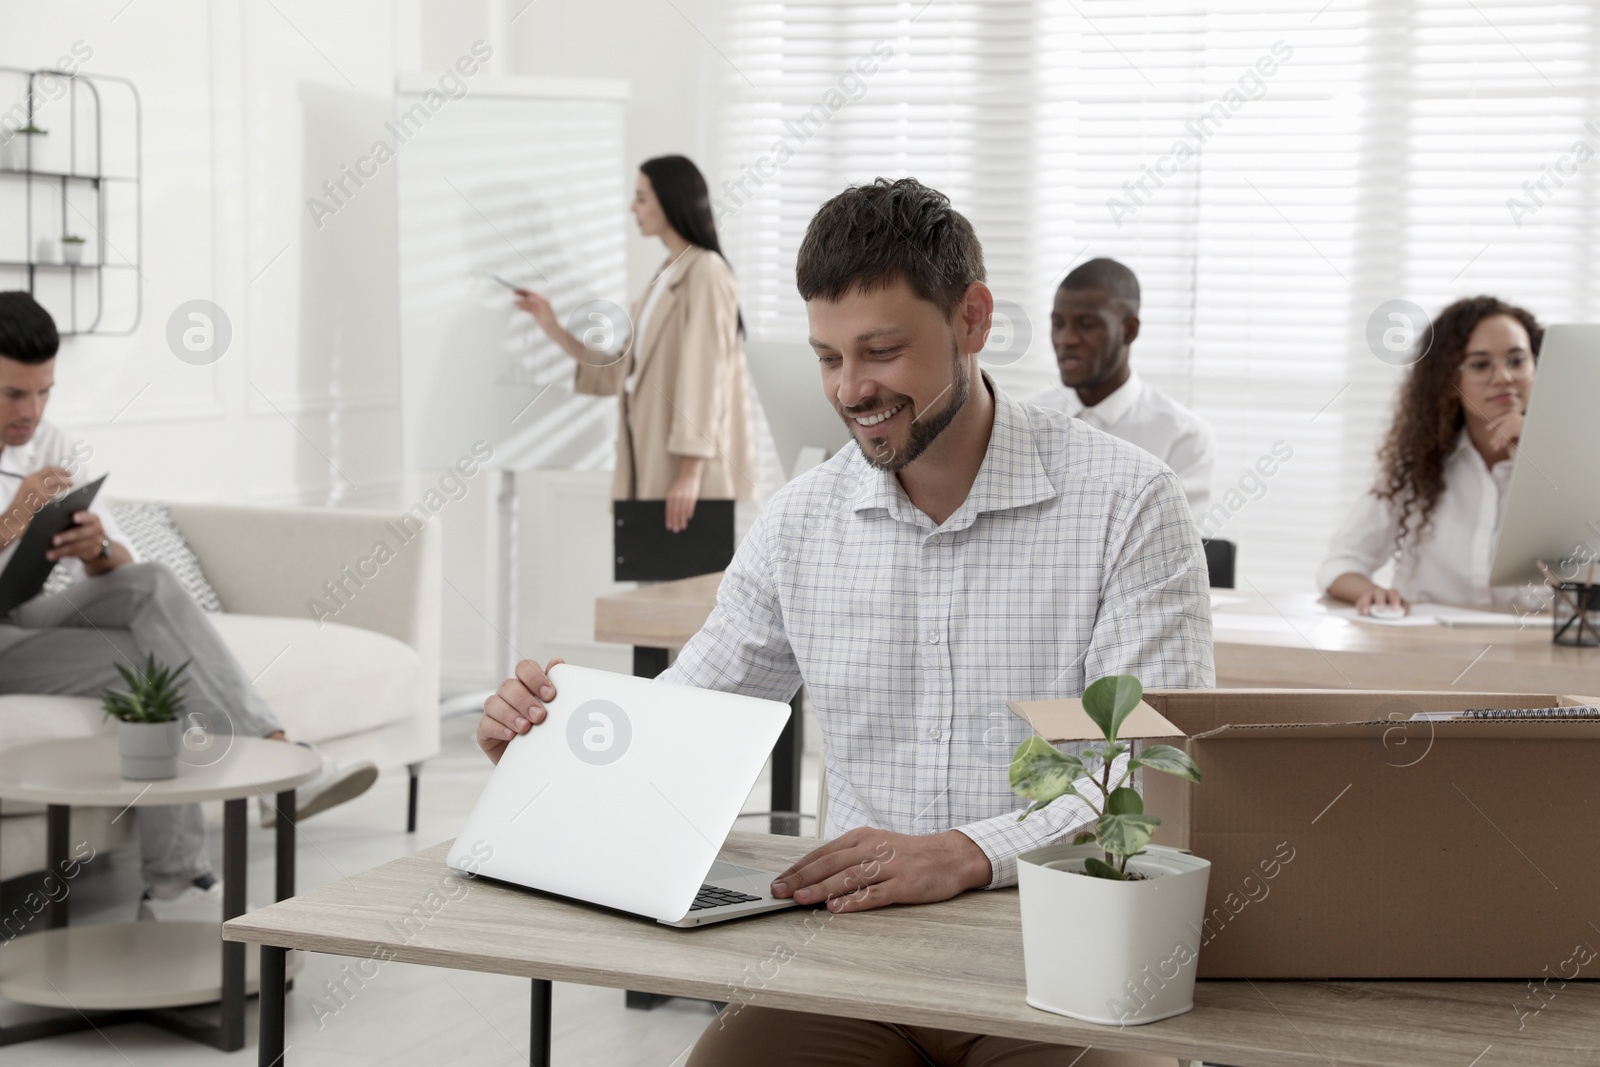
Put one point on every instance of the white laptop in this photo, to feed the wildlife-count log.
(623, 796)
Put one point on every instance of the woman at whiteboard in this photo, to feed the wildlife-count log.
(1444, 468)
(684, 432)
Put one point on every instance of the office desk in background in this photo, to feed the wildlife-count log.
(659, 619)
(956, 965)
(1262, 641)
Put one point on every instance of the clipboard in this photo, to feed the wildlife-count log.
(25, 575)
(646, 551)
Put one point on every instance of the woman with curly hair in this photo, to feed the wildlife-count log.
(1444, 468)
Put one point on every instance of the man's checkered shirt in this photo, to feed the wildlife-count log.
(1073, 557)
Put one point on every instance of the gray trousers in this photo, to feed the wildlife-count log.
(68, 643)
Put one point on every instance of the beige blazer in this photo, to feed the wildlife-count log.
(690, 392)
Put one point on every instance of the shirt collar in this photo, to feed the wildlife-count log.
(1012, 474)
(1115, 407)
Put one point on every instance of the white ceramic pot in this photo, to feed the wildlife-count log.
(1119, 953)
(149, 750)
(72, 251)
(14, 152)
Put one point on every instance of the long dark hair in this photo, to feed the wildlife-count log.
(686, 202)
(1428, 415)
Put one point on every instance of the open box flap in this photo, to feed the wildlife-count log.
(1379, 729)
(1065, 720)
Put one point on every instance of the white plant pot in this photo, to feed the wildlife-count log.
(14, 152)
(149, 750)
(1119, 953)
(72, 251)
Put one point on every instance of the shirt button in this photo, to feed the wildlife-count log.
(933, 638)
(934, 733)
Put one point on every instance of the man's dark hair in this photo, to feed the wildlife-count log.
(27, 332)
(871, 236)
(1120, 283)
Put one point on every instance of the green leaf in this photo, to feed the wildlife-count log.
(1041, 774)
(1169, 760)
(1125, 801)
(1101, 869)
(1083, 837)
(1110, 700)
(1124, 835)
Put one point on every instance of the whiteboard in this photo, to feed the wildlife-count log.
(526, 180)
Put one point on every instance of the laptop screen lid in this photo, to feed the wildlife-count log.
(625, 793)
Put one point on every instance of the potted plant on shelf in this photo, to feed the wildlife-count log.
(1110, 923)
(148, 734)
(14, 152)
(72, 249)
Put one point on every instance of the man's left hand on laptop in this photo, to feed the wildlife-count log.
(866, 868)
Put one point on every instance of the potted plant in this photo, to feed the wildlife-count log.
(1111, 924)
(14, 152)
(72, 249)
(148, 734)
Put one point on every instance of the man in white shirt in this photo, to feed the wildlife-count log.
(969, 551)
(1093, 325)
(118, 610)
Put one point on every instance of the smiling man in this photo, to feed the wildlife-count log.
(971, 550)
(1093, 325)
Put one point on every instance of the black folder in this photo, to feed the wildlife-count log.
(25, 576)
(646, 551)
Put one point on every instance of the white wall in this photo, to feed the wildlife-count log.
(244, 107)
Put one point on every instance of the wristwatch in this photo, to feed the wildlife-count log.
(105, 548)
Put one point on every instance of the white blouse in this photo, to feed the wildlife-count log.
(1449, 564)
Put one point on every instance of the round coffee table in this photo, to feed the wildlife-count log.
(143, 970)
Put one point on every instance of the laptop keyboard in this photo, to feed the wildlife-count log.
(712, 896)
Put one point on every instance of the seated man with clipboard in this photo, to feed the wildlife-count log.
(116, 610)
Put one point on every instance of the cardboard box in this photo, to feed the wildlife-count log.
(1347, 841)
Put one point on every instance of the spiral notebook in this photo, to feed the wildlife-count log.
(1577, 711)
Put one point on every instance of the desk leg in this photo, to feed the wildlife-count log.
(58, 825)
(234, 833)
(273, 964)
(648, 662)
(786, 756)
(539, 1025)
(285, 858)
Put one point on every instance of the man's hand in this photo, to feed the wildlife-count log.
(868, 868)
(33, 493)
(684, 492)
(82, 540)
(516, 707)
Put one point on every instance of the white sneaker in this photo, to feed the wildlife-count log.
(191, 905)
(337, 782)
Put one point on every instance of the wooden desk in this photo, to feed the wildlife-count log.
(655, 619)
(1267, 640)
(956, 965)
(1292, 641)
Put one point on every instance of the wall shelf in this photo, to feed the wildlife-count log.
(72, 193)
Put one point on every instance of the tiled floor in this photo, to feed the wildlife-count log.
(405, 1014)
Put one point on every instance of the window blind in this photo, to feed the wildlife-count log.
(1273, 170)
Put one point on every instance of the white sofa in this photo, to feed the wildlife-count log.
(362, 684)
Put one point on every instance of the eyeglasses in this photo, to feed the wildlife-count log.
(1482, 368)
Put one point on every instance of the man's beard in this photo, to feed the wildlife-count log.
(924, 431)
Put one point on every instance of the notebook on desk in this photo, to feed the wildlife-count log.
(646, 551)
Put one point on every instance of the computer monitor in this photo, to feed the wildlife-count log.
(1552, 510)
(789, 384)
